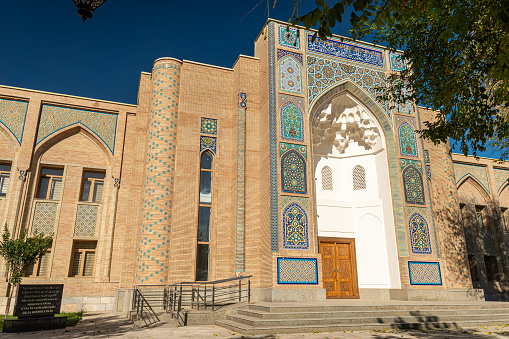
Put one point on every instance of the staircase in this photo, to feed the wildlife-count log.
(267, 318)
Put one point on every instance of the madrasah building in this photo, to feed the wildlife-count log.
(285, 167)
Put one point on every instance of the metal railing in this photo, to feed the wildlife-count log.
(144, 299)
(205, 295)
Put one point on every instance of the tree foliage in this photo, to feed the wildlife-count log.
(21, 253)
(458, 53)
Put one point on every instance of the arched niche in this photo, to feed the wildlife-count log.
(471, 192)
(75, 145)
(348, 130)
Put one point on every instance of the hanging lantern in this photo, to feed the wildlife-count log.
(86, 7)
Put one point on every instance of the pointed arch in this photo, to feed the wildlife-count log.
(470, 179)
(292, 122)
(385, 122)
(290, 75)
(293, 173)
(295, 227)
(420, 240)
(407, 140)
(413, 186)
(67, 132)
(11, 144)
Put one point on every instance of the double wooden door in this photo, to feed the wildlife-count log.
(339, 269)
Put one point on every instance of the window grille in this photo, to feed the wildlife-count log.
(327, 179)
(359, 178)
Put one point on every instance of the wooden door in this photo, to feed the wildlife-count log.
(339, 270)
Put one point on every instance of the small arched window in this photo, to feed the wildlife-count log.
(359, 178)
(327, 179)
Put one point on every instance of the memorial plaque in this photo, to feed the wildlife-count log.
(35, 301)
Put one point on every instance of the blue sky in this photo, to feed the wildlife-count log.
(46, 46)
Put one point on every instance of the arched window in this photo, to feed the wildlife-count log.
(327, 184)
(204, 216)
(359, 178)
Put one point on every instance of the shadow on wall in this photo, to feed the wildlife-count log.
(481, 232)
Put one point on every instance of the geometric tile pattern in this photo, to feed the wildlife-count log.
(290, 75)
(501, 177)
(336, 48)
(297, 271)
(322, 74)
(406, 107)
(424, 273)
(288, 37)
(295, 227)
(12, 116)
(428, 172)
(407, 141)
(477, 172)
(282, 53)
(299, 101)
(45, 216)
(413, 186)
(420, 240)
(293, 173)
(208, 126)
(153, 259)
(405, 162)
(86, 220)
(274, 208)
(54, 118)
(284, 147)
(397, 64)
(292, 122)
(208, 143)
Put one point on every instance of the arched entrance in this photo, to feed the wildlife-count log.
(354, 205)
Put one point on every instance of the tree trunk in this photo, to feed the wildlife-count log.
(8, 306)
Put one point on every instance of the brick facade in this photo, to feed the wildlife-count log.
(145, 226)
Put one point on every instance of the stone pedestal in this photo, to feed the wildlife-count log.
(34, 324)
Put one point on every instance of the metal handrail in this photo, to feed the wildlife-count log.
(141, 306)
(196, 292)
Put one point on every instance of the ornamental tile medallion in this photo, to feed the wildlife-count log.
(293, 172)
(292, 122)
(295, 227)
(290, 74)
(413, 186)
(288, 37)
(407, 141)
(420, 240)
(208, 126)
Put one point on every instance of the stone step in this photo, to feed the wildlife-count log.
(404, 318)
(369, 313)
(337, 308)
(251, 330)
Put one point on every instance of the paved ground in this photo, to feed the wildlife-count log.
(107, 325)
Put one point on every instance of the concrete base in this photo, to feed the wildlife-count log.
(288, 295)
(123, 300)
(34, 324)
(422, 294)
